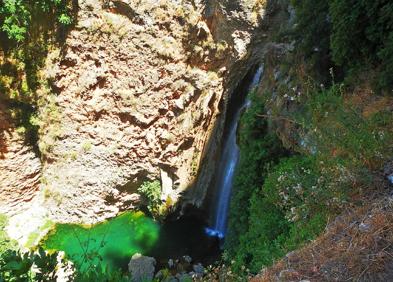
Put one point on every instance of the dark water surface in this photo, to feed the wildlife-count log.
(112, 243)
(185, 236)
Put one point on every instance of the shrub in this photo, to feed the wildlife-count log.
(28, 266)
(355, 35)
(259, 149)
(16, 16)
(339, 130)
(301, 187)
(364, 24)
(278, 208)
(292, 207)
(312, 34)
(308, 192)
(5, 242)
(152, 192)
(313, 26)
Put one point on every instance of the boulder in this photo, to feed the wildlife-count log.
(141, 268)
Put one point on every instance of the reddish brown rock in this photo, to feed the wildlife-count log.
(19, 167)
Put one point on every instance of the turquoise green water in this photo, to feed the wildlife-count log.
(109, 244)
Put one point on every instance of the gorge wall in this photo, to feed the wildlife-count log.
(138, 92)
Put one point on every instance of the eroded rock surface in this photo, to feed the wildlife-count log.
(20, 168)
(140, 94)
(139, 89)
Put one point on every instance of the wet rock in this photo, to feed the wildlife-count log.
(390, 178)
(199, 270)
(187, 259)
(141, 268)
(171, 263)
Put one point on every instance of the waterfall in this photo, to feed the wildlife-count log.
(227, 168)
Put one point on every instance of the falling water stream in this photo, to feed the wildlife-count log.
(229, 159)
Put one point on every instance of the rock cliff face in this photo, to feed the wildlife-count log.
(20, 168)
(140, 91)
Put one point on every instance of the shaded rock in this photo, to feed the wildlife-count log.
(20, 167)
(199, 270)
(187, 259)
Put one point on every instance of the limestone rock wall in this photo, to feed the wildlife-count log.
(20, 168)
(140, 90)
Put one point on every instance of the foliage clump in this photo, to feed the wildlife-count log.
(16, 16)
(28, 30)
(282, 201)
(335, 125)
(151, 191)
(354, 36)
(28, 266)
(259, 151)
(16, 265)
(5, 242)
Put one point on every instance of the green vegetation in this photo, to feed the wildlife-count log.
(105, 247)
(366, 25)
(259, 151)
(338, 129)
(5, 242)
(28, 30)
(29, 266)
(312, 33)
(151, 191)
(87, 146)
(356, 35)
(18, 266)
(17, 16)
(291, 202)
(338, 141)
